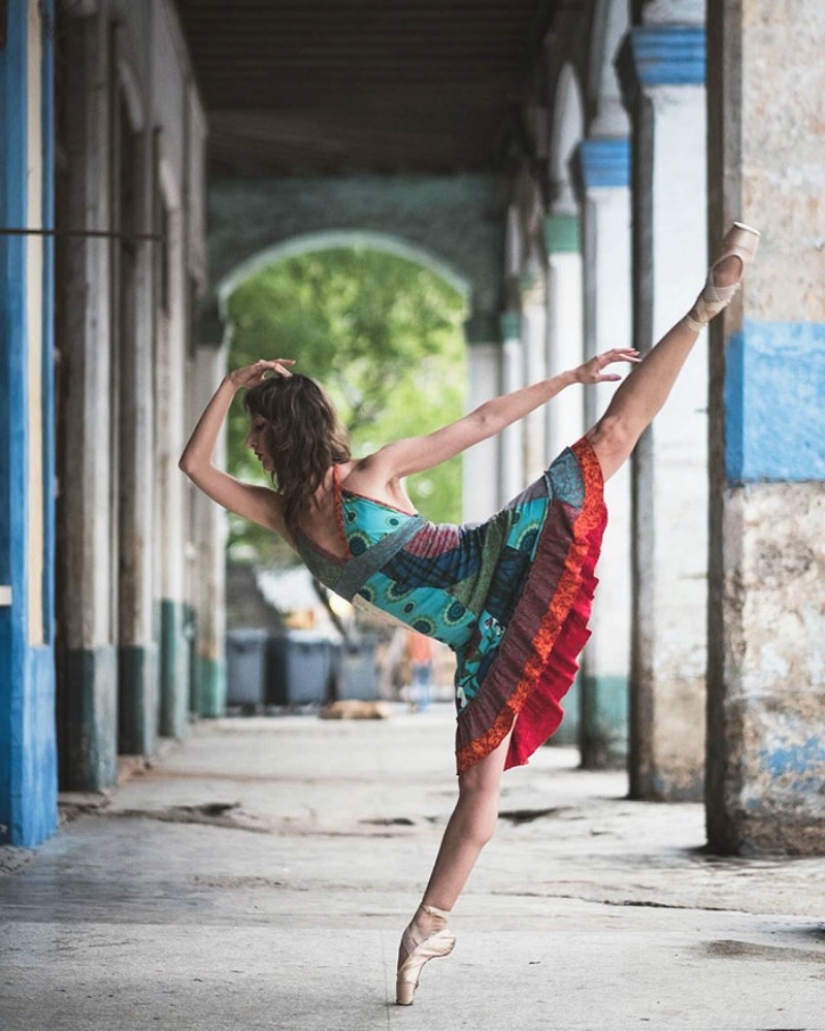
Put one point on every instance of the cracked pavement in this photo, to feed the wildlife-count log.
(259, 876)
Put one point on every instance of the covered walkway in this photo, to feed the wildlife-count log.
(259, 877)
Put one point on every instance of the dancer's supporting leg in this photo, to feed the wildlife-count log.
(646, 389)
(472, 824)
(468, 830)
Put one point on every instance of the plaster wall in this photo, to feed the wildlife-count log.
(783, 157)
(766, 766)
(774, 568)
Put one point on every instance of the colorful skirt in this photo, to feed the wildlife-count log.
(536, 661)
(511, 596)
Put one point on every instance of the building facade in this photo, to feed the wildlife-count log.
(647, 128)
(105, 554)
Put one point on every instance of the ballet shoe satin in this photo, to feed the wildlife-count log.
(420, 950)
(741, 242)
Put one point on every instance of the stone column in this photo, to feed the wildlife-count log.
(170, 437)
(134, 331)
(86, 594)
(565, 413)
(534, 359)
(766, 669)
(208, 551)
(511, 451)
(604, 181)
(565, 344)
(662, 67)
(481, 468)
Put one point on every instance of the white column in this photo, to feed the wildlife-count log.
(207, 551)
(663, 73)
(481, 463)
(511, 450)
(534, 364)
(605, 172)
(565, 340)
(170, 438)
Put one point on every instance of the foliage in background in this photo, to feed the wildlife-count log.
(382, 334)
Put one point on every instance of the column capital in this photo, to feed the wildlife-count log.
(660, 55)
(561, 234)
(602, 162)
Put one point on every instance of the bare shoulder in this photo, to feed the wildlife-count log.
(375, 477)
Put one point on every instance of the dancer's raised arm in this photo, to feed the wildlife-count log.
(415, 454)
(258, 504)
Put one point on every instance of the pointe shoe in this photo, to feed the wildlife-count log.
(420, 950)
(741, 242)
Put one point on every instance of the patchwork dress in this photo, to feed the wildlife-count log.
(510, 596)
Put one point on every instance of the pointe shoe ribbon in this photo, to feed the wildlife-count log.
(740, 242)
(420, 950)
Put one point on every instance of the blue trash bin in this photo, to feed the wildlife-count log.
(357, 672)
(299, 668)
(246, 666)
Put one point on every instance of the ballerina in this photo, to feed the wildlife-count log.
(511, 596)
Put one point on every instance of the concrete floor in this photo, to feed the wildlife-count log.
(259, 876)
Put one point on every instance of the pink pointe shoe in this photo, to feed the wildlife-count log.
(741, 242)
(420, 950)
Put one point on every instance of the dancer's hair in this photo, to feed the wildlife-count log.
(304, 437)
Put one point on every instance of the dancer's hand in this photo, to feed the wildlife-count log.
(591, 371)
(251, 375)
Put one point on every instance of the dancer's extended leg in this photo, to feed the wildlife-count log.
(468, 830)
(647, 387)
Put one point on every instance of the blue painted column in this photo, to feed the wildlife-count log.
(28, 778)
(765, 787)
(603, 184)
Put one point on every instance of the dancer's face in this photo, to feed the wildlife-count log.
(256, 440)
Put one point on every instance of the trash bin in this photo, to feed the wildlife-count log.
(357, 673)
(299, 668)
(246, 666)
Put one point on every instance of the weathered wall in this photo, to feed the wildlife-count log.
(766, 760)
(131, 134)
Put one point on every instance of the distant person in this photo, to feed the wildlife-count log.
(420, 651)
(511, 596)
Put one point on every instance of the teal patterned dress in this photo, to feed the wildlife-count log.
(510, 596)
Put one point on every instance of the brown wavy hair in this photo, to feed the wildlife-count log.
(303, 435)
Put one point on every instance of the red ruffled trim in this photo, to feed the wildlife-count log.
(538, 658)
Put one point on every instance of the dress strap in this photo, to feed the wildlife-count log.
(339, 507)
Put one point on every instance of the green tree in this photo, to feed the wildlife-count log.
(382, 333)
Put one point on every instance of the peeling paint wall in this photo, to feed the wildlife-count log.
(766, 756)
